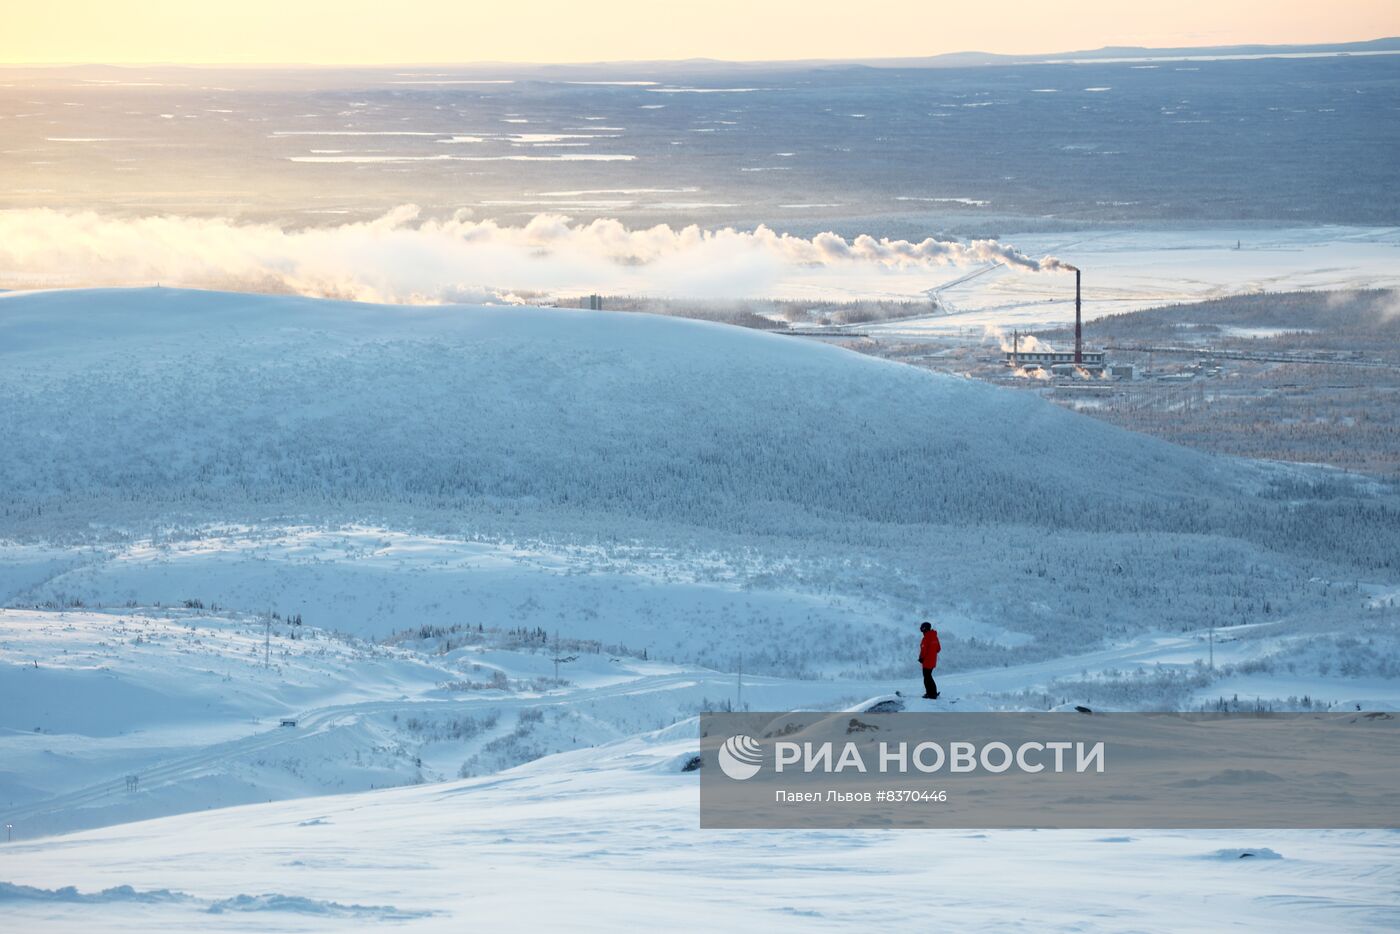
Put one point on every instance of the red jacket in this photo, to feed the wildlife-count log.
(929, 649)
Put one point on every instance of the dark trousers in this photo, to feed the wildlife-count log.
(930, 688)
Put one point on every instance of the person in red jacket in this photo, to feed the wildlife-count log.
(928, 658)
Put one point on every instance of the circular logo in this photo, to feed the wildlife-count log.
(740, 757)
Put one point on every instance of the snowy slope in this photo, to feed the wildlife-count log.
(812, 500)
(155, 401)
(191, 702)
(606, 839)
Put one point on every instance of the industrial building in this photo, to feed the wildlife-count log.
(1060, 362)
(1087, 359)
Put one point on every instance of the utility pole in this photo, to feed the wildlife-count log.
(739, 699)
(558, 659)
(9, 832)
(1212, 647)
(267, 640)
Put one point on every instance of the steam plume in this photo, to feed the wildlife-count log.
(402, 258)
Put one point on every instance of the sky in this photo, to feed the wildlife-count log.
(462, 31)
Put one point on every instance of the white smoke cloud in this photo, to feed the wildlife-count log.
(1028, 373)
(402, 258)
(1011, 340)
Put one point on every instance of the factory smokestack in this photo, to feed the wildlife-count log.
(1078, 324)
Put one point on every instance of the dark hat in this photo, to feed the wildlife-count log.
(925, 626)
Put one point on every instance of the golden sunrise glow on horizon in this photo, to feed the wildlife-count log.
(441, 31)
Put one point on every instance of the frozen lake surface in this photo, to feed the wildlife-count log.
(892, 151)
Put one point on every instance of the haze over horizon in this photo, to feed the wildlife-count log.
(415, 32)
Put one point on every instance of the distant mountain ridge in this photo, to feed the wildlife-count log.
(1112, 52)
(669, 68)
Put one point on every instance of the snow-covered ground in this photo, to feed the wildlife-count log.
(192, 705)
(386, 523)
(191, 702)
(606, 838)
(608, 830)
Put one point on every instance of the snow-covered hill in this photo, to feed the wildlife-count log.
(140, 403)
(808, 493)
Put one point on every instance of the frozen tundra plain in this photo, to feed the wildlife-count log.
(436, 492)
